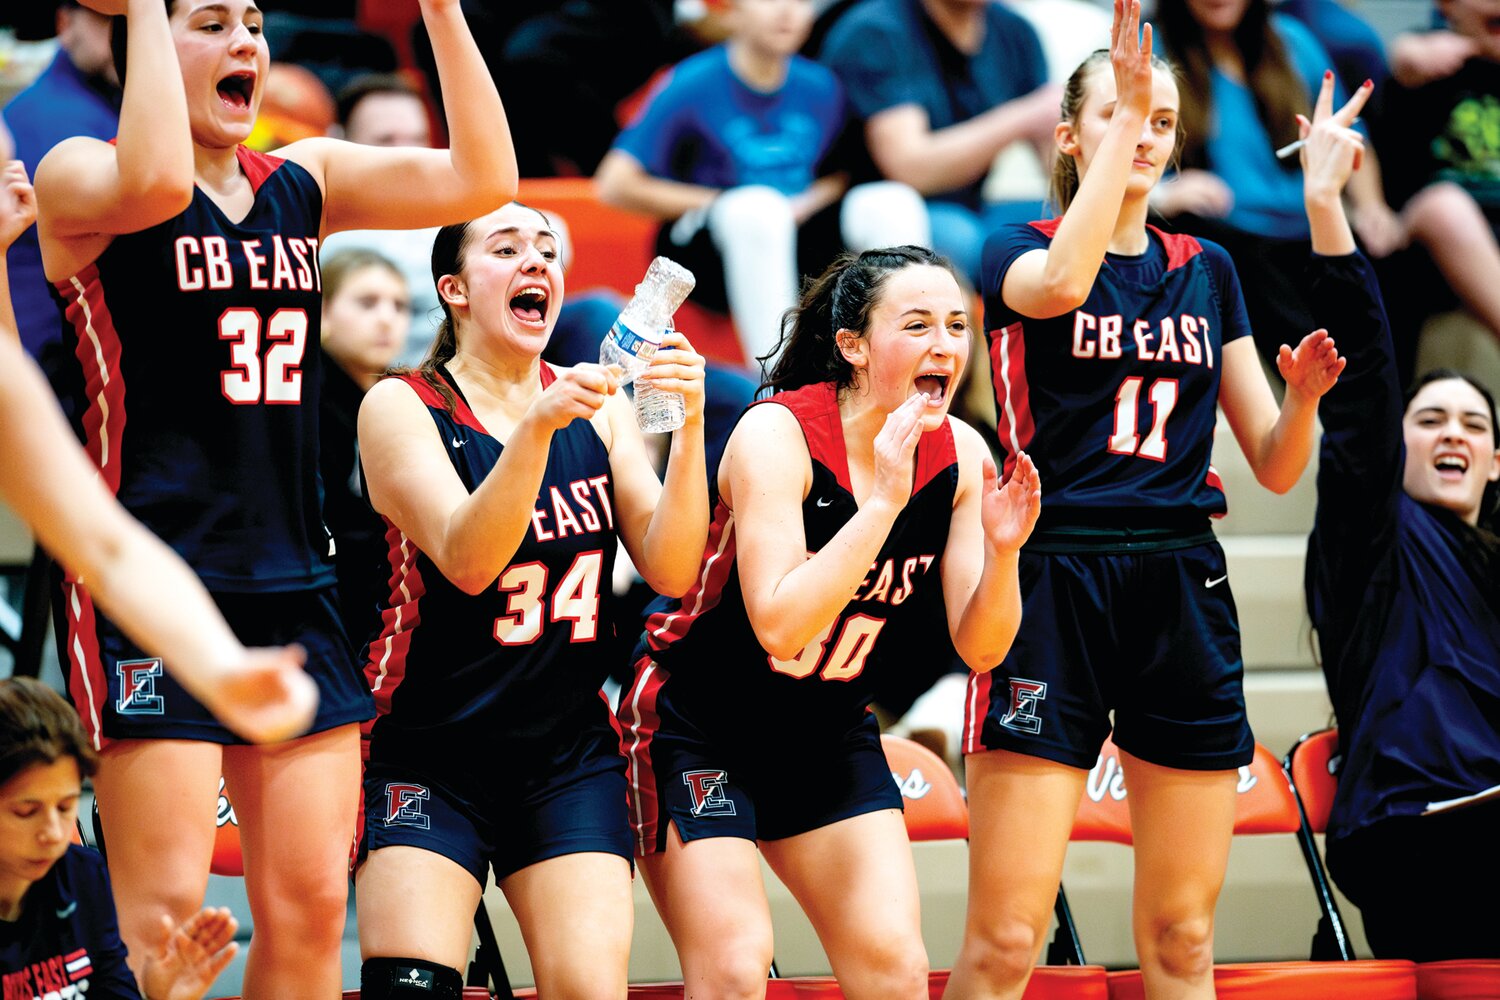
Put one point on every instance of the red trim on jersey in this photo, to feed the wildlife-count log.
(434, 399)
(816, 408)
(976, 709)
(641, 720)
(1212, 479)
(665, 628)
(385, 666)
(98, 351)
(257, 166)
(1012, 391)
(936, 453)
(548, 375)
(1180, 247)
(87, 685)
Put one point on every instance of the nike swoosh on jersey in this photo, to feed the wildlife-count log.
(67, 911)
(825, 501)
(1215, 583)
(459, 444)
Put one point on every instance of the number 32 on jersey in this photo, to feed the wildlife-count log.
(270, 376)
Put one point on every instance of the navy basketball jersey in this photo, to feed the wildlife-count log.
(197, 341)
(704, 641)
(1116, 400)
(520, 664)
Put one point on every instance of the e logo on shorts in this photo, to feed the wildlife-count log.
(1024, 698)
(707, 790)
(403, 805)
(138, 688)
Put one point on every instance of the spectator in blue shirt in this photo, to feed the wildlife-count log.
(943, 86)
(733, 151)
(78, 94)
(57, 918)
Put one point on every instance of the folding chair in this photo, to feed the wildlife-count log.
(1265, 805)
(1313, 766)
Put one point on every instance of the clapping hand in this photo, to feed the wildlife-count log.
(1009, 512)
(17, 203)
(189, 956)
(1312, 367)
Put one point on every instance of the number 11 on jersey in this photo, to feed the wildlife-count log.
(1125, 438)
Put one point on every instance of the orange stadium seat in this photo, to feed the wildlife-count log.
(935, 807)
(1265, 805)
(613, 247)
(1312, 765)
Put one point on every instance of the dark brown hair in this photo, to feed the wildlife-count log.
(841, 298)
(1280, 94)
(371, 83)
(38, 727)
(1062, 188)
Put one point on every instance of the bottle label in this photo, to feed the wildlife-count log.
(632, 342)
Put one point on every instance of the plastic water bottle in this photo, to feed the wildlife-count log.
(636, 335)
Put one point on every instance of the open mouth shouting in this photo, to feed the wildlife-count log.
(1451, 466)
(237, 89)
(935, 384)
(529, 305)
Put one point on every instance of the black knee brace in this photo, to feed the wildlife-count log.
(406, 978)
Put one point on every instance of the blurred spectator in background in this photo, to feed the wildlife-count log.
(1355, 47)
(1439, 138)
(732, 152)
(1247, 73)
(943, 86)
(366, 315)
(592, 55)
(78, 94)
(384, 109)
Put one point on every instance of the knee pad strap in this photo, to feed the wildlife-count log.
(405, 978)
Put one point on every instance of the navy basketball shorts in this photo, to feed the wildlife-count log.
(467, 820)
(122, 693)
(768, 786)
(1151, 636)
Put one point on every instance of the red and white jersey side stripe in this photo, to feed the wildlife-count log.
(1008, 364)
(976, 708)
(665, 628)
(98, 353)
(385, 667)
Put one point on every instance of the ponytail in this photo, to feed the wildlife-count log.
(448, 249)
(841, 298)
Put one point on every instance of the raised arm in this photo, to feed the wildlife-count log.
(791, 596)
(17, 213)
(1045, 283)
(981, 582)
(663, 526)
(1279, 443)
(87, 187)
(470, 537)
(371, 187)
